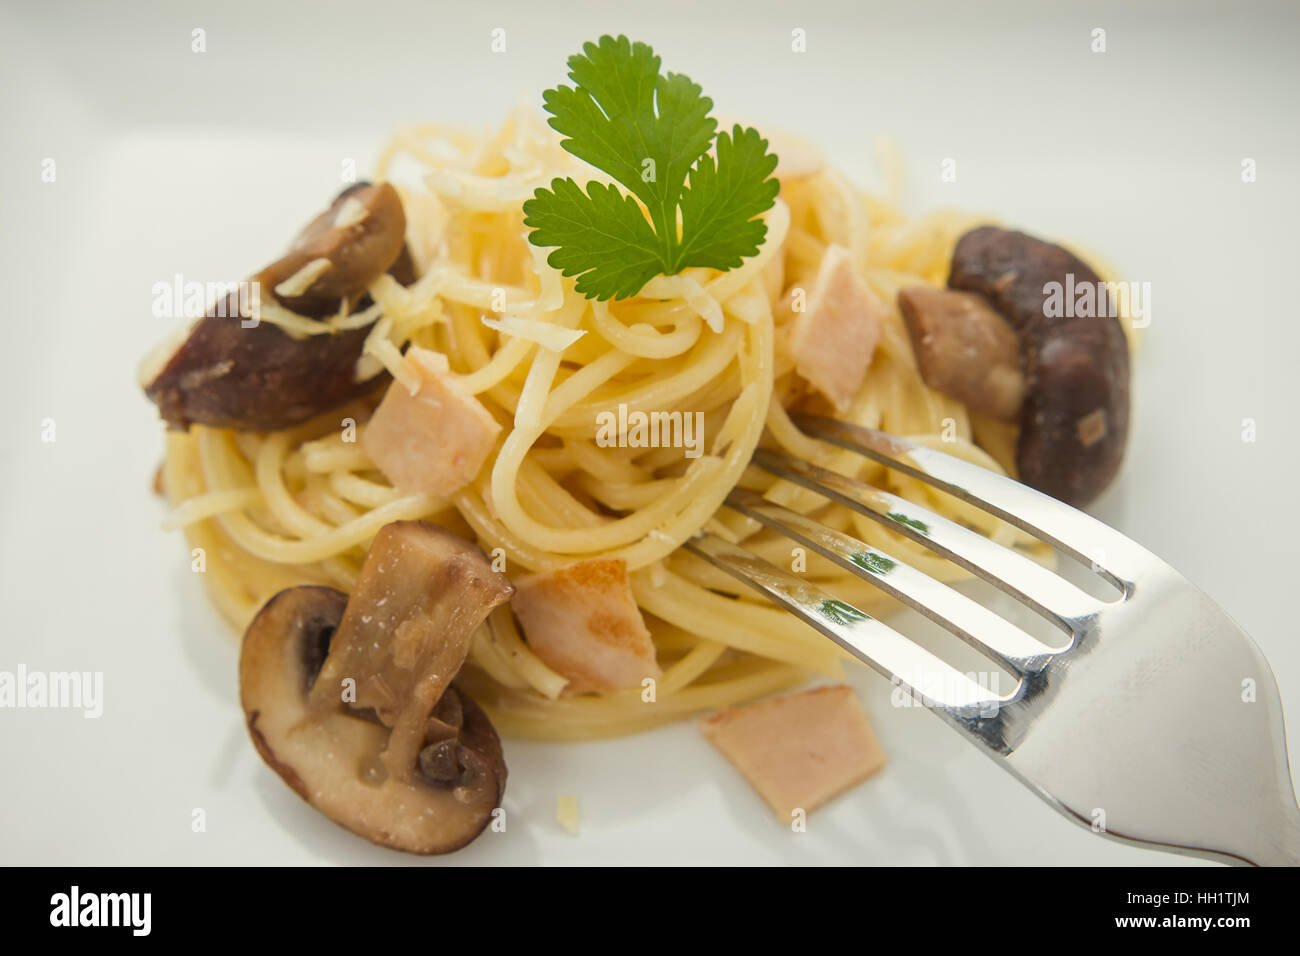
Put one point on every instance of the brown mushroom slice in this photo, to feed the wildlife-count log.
(408, 761)
(421, 593)
(260, 377)
(332, 761)
(965, 349)
(1074, 423)
(360, 236)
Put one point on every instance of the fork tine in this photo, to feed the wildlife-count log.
(1066, 605)
(1112, 555)
(967, 619)
(926, 677)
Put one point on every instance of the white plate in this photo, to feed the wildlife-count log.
(170, 161)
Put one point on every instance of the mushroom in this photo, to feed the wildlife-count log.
(360, 235)
(1074, 421)
(350, 698)
(965, 349)
(261, 377)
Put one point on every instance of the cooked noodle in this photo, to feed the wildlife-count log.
(301, 506)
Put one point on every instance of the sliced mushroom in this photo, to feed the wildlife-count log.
(360, 236)
(1074, 422)
(965, 349)
(349, 699)
(259, 378)
(262, 378)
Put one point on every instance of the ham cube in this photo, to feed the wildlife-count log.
(833, 338)
(434, 441)
(583, 622)
(801, 750)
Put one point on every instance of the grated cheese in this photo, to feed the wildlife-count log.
(482, 193)
(352, 211)
(545, 334)
(301, 281)
(566, 812)
(380, 348)
(298, 326)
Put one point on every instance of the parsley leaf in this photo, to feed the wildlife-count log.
(650, 132)
(601, 233)
(719, 227)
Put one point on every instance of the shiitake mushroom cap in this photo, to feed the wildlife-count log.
(232, 373)
(1075, 417)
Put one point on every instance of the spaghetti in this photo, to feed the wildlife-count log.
(278, 509)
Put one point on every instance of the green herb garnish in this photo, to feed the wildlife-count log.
(651, 132)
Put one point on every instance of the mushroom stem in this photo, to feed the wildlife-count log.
(349, 699)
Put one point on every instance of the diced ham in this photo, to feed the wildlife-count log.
(434, 441)
(965, 349)
(801, 750)
(833, 338)
(583, 622)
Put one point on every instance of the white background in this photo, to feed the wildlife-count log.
(204, 164)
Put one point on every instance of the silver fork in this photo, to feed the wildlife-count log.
(1157, 721)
